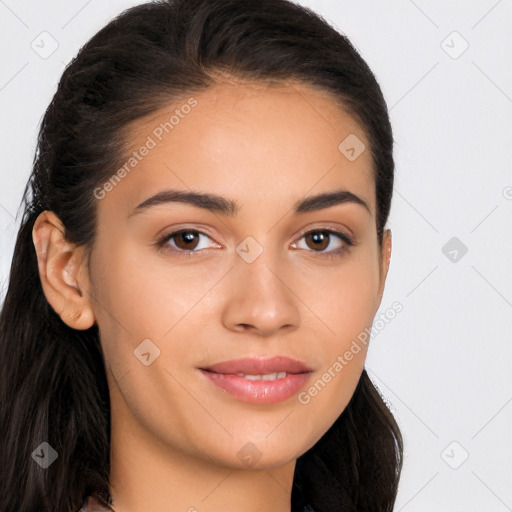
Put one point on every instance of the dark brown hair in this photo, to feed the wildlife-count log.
(53, 382)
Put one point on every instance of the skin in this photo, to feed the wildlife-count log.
(175, 436)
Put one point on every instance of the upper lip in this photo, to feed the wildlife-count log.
(259, 366)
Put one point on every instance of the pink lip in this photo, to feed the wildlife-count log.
(256, 366)
(260, 391)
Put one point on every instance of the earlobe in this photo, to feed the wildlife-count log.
(63, 272)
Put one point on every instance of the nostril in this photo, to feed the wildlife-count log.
(244, 327)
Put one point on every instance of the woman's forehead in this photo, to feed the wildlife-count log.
(259, 139)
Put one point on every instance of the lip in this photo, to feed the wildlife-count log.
(258, 366)
(260, 391)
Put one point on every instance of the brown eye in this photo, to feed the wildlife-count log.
(323, 242)
(184, 242)
(185, 239)
(319, 240)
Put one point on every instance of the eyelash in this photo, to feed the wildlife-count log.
(162, 241)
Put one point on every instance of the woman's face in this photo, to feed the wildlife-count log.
(251, 277)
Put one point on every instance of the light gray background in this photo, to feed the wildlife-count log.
(444, 361)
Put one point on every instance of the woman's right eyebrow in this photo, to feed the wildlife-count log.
(225, 206)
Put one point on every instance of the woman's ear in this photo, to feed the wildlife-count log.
(63, 272)
(385, 258)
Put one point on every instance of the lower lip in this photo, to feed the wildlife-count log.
(259, 391)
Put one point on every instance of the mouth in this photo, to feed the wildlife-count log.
(263, 381)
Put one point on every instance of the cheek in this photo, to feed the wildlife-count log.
(346, 307)
(140, 299)
(146, 296)
(342, 297)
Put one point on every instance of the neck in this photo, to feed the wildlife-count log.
(148, 475)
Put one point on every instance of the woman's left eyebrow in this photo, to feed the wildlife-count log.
(219, 204)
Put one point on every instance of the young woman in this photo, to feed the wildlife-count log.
(202, 253)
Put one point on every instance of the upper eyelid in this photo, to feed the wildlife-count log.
(344, 237)
(333, 230)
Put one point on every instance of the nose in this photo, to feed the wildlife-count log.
(259, 298)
